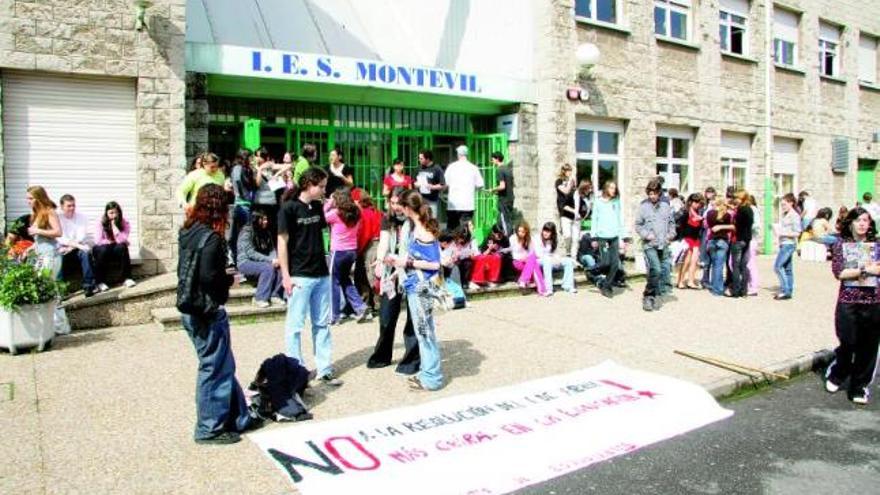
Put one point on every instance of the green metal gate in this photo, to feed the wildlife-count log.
(481, 147)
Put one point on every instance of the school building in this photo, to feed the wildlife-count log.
(107, 100)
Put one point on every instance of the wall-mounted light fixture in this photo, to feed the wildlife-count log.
(141, 7)
(587, 55)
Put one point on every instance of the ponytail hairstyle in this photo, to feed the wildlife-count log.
(105, 220)
(347, 208)
(413, 200)
(554, 240)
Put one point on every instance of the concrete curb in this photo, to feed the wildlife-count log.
(793, 367)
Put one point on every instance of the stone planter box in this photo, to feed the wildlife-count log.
(30, 326)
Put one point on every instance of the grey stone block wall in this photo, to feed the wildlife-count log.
(98, 37)
(643, 82)
(197, 115)
(2, 162)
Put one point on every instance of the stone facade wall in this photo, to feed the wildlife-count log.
(643, 81)
(99, 37)
(524, 155)
(197, 115)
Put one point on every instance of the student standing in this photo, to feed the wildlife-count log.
(343, 216)
(308, 158)
(45, 228)
(208, 173)
(655, 224)
(857, 316)
(607, 229)
(430, 181)
(304, 272)
(396, 178)
(505, 192)
(691, 232)
(788, 233)
(393, 244)
(463, 179)
(220, 405)
(739, 247)
(339, 175)
(422, 264)
(720, 226)
(244, 187)
(565, 190)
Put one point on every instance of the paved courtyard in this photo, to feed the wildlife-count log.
(111, 410)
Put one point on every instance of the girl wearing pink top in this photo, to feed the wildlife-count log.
(111, 244)
(524, 251)
(343, 217)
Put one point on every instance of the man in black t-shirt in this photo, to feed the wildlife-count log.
(304, 272)
(430, 180)
(504, 190)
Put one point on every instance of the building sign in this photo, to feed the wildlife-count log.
(322, 68)
(492, 442)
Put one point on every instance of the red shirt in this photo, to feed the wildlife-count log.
(371, 224)
(391, 183)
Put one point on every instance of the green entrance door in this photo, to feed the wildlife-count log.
(481, 147)
(866, 180)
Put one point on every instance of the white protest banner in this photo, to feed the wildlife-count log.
(491, 442)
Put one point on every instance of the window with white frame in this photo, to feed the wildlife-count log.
(733, 18)
(829, 49)
(735, 152)
(598, 10)
(673, 157)
(672, 18)
(786, 33)
(785, 169)
(868, 58)
(598, 145)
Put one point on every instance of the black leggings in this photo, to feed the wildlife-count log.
(104, 254)
(858, 330)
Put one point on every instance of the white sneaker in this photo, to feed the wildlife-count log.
(103, 288)
(261, 304)
(473, 286)
(277, 301)
(492, 285)
(129, 283)
(831, 387)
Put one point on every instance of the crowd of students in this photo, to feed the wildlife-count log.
(53, 238)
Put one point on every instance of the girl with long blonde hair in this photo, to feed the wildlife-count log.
(45, 228)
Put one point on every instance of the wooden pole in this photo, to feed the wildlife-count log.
(737, 368)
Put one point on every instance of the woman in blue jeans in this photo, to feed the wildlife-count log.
(257, 258)
(422, 264)
(788, 233)
(220, 406)
(720, 224)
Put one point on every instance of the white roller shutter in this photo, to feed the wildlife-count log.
(739, 7)
(675, 131)
(868, 59)
(785, 156)
(71, 135)
(829, 32)
(735, 145)
(785, 25)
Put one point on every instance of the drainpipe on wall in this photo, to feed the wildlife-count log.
(768, 124)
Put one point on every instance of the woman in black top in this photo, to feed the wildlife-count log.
(221, 409)
(739, 247)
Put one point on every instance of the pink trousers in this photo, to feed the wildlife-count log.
(529, 269)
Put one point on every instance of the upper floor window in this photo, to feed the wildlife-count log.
(868, 59)
(598, 10)
(829, 49)
(672, 18)
(786, 34)
(733, 26)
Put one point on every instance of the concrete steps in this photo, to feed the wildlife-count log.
(152, 301)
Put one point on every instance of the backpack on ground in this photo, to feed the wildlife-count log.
(279, 386)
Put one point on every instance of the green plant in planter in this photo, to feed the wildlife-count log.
(23, 283)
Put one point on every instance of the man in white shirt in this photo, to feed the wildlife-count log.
(872, 207)
(463, 179)
(74, 241)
